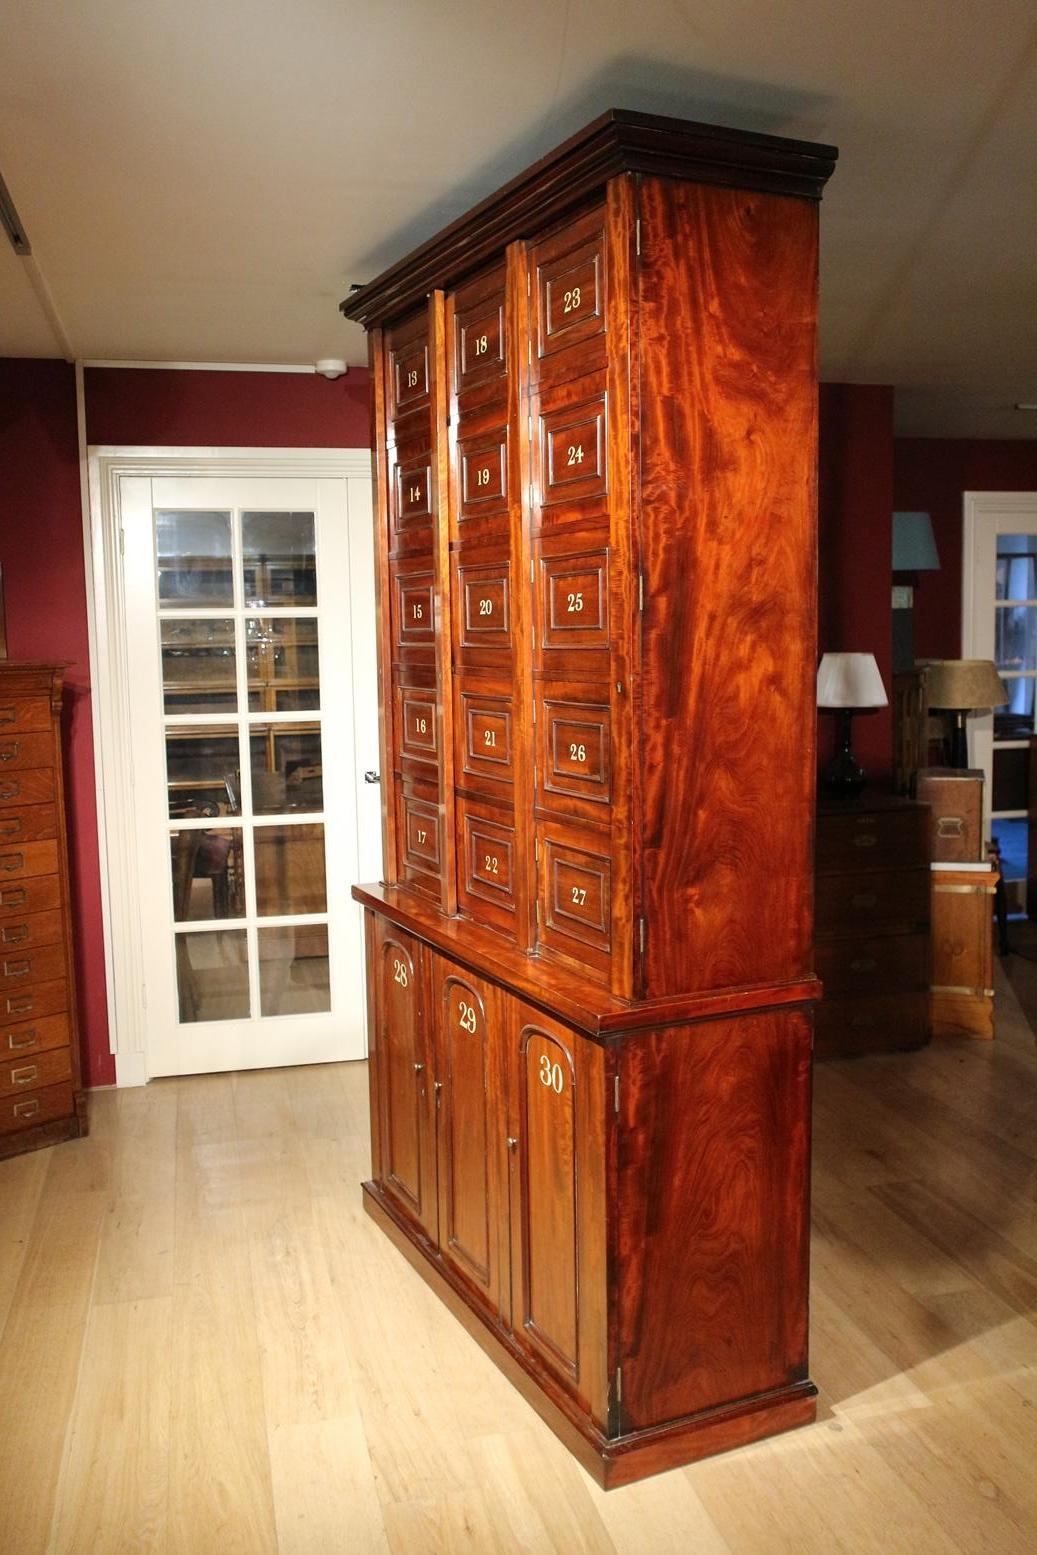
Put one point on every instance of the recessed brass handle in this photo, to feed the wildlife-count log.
(25, 1076)
(27, 1108)
(28, 1039)
(7, 715)
(12, 827)
(17, 968)
(11, 863)
(19, 1006)
(10, 790)
(16, 898)
(865, 840)
(10, 751)
(14, 934)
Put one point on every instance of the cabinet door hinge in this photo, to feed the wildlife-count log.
(529, 282)
(536, 849)
(637, 235)
(532, 571)
(538, 909)
(122, 542)
(619, 1384)
(643, 933)
(615, 1093)
(529, 423)
(641, 592)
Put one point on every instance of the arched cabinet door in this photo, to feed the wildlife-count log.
(470, 1127)
(558, 1223)
(404, 1084)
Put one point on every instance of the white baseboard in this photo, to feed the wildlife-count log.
(130, 1069)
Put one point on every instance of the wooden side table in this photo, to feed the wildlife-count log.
(962, 991)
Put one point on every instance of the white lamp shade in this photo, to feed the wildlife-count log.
(850, 680)
(914, 547)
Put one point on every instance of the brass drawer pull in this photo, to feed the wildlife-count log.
(7, 715)
(17, 968)
(16, 898)
(865, 840)
(950, 826)
(12, 862)
(10, 790)
(12, 827)
(863, 964)
(15, 934)
(9, 752)
(27, 1108)
(25, 1076)
(17, 1044)
(19, 1006)
(864, 899)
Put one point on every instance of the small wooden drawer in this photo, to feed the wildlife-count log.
(880, 839)
(484, 609)
(26, 860)
(24, 752)
(420, 835)
(575, 760)
(31, 823)
(21, 968)
(486, 846)
(45, 1106)
(569, 268)
(24, 715)
(35, 895)
(481, 474)
(485, 734)
(23, 1004)
(575, 885)
(28, 933)
(417, 724)
(571, 451)
(412, 491)
(573, 604)
(413, 615)
(408, 367)
(37, 1036)
(878, 1024)
(26, 788)
(897, 963)
(480, 338)
(18, 1075)
(889, 901)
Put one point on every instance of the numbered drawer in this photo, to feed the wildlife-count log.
(574, 752)
(25, 1004)
(413, 612)
(486, 849)
(21, 752)
(410, 495)
(17, 1112)
(480, 348)
(895, 901)
(31, 823)
(878, 1024)
(29, 896)
(571, 457)
(407, 368)
(879, 839)
(21, 968)
(30, 932)
(24, 714)
(898, 963)
(18, 1075)
(483, 594)
(420, 842)
(27, 1037)
(485, 734)
(27, 859)
(417, 725)
(480, 476)
(26, 788)
(569, 290)
(572, 607)
(575, 889)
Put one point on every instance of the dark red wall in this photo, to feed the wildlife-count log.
(41, 549)
(930, 475)
(855, 575)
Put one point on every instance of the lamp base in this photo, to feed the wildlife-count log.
(844, 775)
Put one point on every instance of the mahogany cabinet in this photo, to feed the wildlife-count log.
(41, 1097)
(590, 961)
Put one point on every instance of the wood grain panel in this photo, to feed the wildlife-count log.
(405, 1081)
(713, 1184)
(728, 451)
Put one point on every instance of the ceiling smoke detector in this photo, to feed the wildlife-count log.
(331, 367)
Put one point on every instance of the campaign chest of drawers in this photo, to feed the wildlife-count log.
(41, 1099)
(871, 919)
(590, 961)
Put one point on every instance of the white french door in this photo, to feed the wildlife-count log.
(244, 769)
(999, 622)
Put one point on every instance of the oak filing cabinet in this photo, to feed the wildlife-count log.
(41, 1098)
(590, 962)
(872, 917)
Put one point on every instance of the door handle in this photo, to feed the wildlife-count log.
(372, 777)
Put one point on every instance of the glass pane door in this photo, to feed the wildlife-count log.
(1015, 654)
(250, 604)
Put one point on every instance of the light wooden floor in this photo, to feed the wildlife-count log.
(206, 1346)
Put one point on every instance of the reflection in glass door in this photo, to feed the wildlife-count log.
(1015, 654)
(249, 607)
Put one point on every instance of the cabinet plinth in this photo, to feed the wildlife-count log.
(590, 968)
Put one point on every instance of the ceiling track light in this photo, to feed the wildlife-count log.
(12, 225)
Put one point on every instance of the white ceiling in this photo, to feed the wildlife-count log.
(201, 181)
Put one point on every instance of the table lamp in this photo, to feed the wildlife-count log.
(848, 683)
(963, 686)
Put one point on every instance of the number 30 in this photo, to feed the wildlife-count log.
(551, 1074)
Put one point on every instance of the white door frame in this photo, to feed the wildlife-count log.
(124, 958)
(983, 515)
